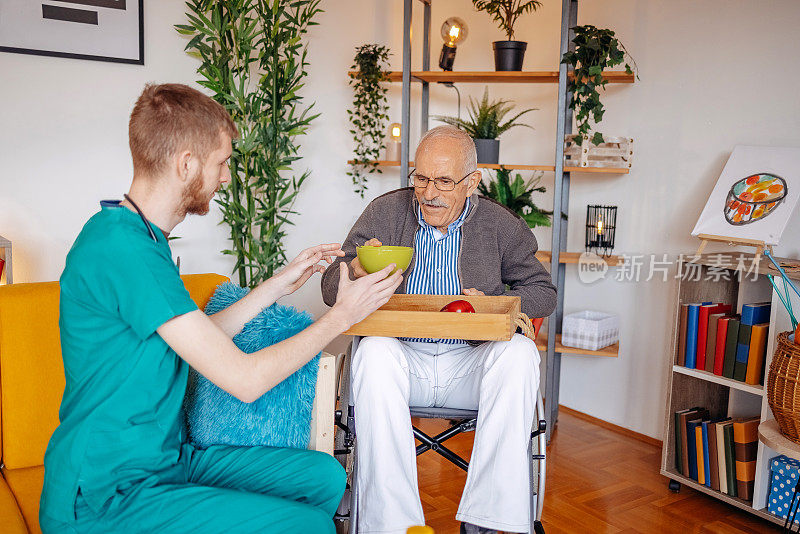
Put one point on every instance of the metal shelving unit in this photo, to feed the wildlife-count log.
(569, 17)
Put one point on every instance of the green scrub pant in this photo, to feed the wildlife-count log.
(228, 489)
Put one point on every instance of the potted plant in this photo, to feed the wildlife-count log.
(516, 196)
(253, 60)
(369, 114)
(595, 50)
(485, 125)
(508, 54)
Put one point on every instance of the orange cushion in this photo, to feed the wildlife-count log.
(31, 369)
(202, 286)
(10, 515)
(26, 484)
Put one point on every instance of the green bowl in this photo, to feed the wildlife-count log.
(373, 259)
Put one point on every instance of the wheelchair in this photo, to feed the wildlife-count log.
(346, 442)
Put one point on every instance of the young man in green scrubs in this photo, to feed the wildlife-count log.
(119, 460)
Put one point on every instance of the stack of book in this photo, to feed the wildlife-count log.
(717, 453)
(713, 339)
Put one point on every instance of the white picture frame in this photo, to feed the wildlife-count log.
(99, 30)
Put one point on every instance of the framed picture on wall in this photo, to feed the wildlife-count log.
(101, 30)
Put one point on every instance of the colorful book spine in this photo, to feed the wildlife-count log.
(702, 334)
(678, 445)
(731, 343)
(682, 335)
(706, 453)
(692, 316)
(711, 340)
(691, 449)
(730, 459)
(742, 352)
(713, 467)
(745, 437)
(755, 359)
(756, 313)
(719, 430)
(686, 416)
(701, 454)
(719, 346)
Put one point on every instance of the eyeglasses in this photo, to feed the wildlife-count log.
(442, 184)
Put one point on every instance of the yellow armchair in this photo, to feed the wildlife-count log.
(32, 383)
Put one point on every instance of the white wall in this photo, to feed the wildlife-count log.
(713, 74)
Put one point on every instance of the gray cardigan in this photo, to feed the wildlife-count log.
(497, 248)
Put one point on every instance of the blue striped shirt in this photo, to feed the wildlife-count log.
(436, 267)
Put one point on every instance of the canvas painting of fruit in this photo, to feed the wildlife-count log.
(755, 195)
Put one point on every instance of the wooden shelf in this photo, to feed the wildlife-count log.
(739, 503)
(770, 434)
(711, 377)
(551, 76)
(730, 260)
(574, 257)
(611, 351)
(548, 168)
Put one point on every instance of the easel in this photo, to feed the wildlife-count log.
(733, 242)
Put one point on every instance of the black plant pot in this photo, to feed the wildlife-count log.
(508, 55)
(488, 150)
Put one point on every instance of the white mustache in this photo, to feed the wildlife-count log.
(435, 203)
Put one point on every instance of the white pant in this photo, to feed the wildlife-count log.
(500, 377)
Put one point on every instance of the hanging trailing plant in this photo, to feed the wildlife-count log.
(517, 195)
(254, 62)
(595, 49)
(369, 114)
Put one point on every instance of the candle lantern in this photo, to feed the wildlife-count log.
(601, 227)
(393, 143)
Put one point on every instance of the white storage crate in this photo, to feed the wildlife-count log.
(614, 152)
(590, 330)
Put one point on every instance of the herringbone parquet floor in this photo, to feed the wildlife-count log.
(597, 481)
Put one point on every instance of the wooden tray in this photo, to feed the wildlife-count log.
(419, 316)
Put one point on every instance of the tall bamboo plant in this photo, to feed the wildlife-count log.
(254, 62)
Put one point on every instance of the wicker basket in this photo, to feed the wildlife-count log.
(783, 387)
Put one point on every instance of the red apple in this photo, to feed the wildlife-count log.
(797, 334)
(459, 306)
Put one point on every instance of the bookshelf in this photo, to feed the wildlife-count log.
(723, 396)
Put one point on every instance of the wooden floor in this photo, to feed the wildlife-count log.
(597, 481)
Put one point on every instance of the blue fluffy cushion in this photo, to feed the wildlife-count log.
(281, 417)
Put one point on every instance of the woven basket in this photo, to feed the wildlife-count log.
(783, 387)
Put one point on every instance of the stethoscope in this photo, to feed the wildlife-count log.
(144, 219)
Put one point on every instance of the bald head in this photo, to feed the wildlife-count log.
(457, 142)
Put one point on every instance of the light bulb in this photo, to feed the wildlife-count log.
(600, 227)
(454, 31)
(394, 131)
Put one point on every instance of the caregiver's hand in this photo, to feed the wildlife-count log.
(357, 299)
(358, 269)
(300, 269)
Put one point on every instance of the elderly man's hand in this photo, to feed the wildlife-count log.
(472, 292)
(355, 265)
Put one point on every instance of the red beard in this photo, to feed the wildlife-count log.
(195, 201)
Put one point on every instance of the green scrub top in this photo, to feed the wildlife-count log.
(121, 414)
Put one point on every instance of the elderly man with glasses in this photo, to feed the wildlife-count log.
(463, 244)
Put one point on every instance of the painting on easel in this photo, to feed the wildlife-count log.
(755, 195)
